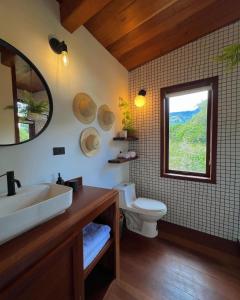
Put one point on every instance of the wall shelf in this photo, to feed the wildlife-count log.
(128, 139)
(121, 160)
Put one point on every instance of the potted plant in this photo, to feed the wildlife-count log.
(34, 110)
(127, 120)
(230, 56)
(37, 110)
(31, 109)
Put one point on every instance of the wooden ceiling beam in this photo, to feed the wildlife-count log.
(75, 13)
(215, 16)
(122, 16)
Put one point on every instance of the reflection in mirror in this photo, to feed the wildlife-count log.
(25, 99)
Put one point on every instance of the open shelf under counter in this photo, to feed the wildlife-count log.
(121, 160)
(128, 139)
(97, 283)
(106, 247)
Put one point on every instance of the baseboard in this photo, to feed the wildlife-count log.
(218, 249)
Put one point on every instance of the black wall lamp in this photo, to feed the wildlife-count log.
(140, 99)
(60, 48)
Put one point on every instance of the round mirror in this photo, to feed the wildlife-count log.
(25, 99)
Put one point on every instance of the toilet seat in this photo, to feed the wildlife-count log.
(149, 205)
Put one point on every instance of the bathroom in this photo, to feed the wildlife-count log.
(135, 52)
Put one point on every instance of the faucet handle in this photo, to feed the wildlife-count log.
(18, 183)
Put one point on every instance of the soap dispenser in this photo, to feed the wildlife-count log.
(60, 180)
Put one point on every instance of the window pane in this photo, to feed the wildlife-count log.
(188, 132)
(23, 132)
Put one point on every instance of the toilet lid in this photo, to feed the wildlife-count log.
(149, 204)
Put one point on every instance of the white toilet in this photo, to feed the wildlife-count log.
(141, 214)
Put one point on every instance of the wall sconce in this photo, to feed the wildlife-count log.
(60, 48)
(140, 99)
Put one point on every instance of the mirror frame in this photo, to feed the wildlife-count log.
(9, 46)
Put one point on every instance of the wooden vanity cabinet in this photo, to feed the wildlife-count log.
(55, 276)
(46, 263)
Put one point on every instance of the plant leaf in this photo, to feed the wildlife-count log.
(230, 56)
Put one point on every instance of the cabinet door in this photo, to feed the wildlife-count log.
(56, 276)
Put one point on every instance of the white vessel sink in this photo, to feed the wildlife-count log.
(30, 207)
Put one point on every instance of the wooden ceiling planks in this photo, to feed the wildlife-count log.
(30, 82)
(197, 25)
(180, 11)
(122, 16)
(137, 31)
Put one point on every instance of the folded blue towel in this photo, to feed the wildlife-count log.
(89, 257)
(92, 234)
(95, 237)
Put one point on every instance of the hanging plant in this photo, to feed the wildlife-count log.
(230, 56)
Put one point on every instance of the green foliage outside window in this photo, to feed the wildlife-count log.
(23, 132)
(187, 142)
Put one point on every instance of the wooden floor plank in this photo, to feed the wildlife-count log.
(162, 270)
(120, 290)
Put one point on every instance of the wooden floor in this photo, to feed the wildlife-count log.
(161, 270)
(120, 290)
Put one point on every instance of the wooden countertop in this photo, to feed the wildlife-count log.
(26, 249)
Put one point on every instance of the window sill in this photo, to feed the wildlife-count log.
(189, 177)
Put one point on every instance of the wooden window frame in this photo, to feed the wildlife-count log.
(210, 175)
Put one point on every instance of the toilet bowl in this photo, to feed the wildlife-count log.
(141, 214)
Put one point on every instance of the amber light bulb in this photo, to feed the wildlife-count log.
(140, 99)
(65, 58)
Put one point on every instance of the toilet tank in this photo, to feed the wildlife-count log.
(127, 194)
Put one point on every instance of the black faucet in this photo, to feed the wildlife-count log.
(11, 183)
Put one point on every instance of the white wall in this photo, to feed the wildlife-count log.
(26, 24)
(7, 125)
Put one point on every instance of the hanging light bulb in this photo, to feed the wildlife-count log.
(140, 99)
(65, 58)
(60, 48)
